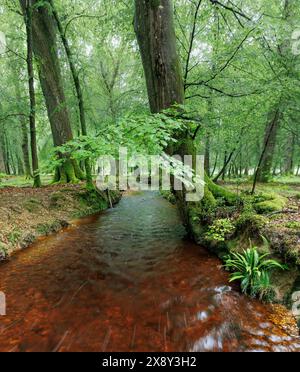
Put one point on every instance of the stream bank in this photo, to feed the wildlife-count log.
(268, 221)
(27, 214)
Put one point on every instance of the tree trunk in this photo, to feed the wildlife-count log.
(24, 131)
(33, 142)
(155, 32)
(265, 164)
(2, 162)
(271, 131)
(46, 53)
(78, 89)
(289, 155)
(207, 154)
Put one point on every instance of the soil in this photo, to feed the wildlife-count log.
(27, 213)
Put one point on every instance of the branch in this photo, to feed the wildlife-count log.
(226, 64)
(191, 44)
(234, 11)
(13, 115)
(80, 16)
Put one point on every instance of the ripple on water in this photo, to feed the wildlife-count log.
(129, 279)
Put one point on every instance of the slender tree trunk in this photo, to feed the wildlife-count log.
(289, 155)
(45, 50)
(207, 154)
(2, 162)
(78, 89)
(33, 142)
(266, 160)
(24, 131)
(227, 160)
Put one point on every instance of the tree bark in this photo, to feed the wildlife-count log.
(272, 128)
(289, 155)
(265, 164)
(77, 84)
(155, 33)
(33, 142)
(24, 131)
(46, 53)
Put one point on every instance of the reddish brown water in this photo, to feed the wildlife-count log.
(127, 280)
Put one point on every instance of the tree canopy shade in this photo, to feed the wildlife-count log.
(231, 66)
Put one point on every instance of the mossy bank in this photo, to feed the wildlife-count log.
(27, 213)
(269, 220)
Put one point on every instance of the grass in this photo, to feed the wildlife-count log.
(20, 181)
(284, 186)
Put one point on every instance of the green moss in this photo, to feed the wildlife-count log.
(268, 203)
(221, 192)
(168, 195)
(251, 222)
(155, 3)
(49, 228)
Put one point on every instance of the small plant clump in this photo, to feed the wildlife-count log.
(253, 271)
(220, 230)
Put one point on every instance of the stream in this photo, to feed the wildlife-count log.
(129, 280)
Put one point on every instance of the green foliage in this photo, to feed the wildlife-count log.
(220, 230)
(252, 270)
(14, 236)
(168, 195)
(293, 225)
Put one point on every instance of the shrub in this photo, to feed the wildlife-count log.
(253, 271)
(219, 230)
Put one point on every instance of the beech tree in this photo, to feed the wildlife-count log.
(46, 53)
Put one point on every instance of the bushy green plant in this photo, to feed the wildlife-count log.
(253, 270)
(219, 230)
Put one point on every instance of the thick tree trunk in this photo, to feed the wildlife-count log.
(156, 37)
(155, 32)
(45, 50)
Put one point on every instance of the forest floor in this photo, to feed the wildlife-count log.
(281, 228)
(27, 213)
